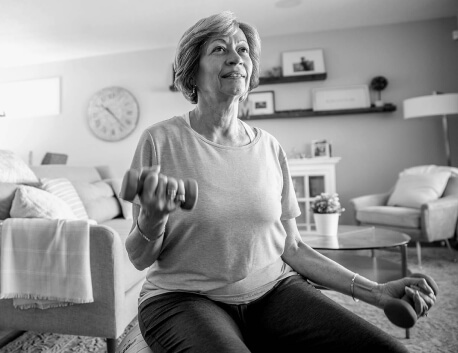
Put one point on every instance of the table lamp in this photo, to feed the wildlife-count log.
(431, 106)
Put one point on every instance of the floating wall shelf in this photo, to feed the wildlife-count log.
(291, 79)
(308, 113)
(276, 80)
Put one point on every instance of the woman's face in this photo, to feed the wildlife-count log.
(225, 67)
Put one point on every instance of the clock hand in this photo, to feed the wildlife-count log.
(114, 116)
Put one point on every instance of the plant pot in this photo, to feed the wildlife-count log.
(327, 223)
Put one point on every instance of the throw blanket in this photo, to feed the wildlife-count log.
(45, 263)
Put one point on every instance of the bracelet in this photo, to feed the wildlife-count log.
(352, 288)
(143, 234)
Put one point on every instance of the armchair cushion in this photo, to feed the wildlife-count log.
(31, 202)
(413, 190)
(390, 216)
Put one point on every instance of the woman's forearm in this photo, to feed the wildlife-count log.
(324, 271)
(328, 273)
(144, 242)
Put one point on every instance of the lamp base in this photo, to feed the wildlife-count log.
(446, 140)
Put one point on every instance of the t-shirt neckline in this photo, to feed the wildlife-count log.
(255, 135)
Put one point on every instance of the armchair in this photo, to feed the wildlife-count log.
(423, 204)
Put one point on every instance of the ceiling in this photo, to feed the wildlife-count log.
(39, 31)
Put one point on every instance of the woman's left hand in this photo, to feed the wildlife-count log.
(415, 288)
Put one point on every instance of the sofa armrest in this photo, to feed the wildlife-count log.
(106, 251)
(439, 218)
(104, 317)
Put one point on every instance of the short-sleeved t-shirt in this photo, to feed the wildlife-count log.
(229, 246)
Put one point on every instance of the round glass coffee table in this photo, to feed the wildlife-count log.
(362, 238)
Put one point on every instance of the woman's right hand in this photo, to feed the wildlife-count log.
(159, 195)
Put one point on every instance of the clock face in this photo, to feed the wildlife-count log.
(113, 114)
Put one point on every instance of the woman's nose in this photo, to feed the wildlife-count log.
(234, 58)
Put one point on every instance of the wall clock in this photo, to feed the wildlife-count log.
(113, 113)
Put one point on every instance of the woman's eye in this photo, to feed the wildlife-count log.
(218, 49)
(244, 49)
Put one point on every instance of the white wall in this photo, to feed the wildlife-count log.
(417, 58)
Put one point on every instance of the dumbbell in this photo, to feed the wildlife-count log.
(401, 312)
(132, 184)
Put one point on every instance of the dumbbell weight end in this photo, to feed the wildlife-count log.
(401, 312)
(192, 192)
(129, 187)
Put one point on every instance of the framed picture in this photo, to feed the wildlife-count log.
(257, 103)
(350, 97)
(321, 148)
(304, 62)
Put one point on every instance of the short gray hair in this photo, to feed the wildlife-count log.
(189, 50)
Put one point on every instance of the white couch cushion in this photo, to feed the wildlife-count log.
(31, 202)
(14, 170)
(61, 187)
(7, 191)
(99, 200)
(126, 206)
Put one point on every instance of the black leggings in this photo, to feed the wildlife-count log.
(292, 317)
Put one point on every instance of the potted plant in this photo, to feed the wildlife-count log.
(326, 210)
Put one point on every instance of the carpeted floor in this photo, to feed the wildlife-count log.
(437, 333)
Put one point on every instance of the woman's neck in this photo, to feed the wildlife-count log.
(219, 124)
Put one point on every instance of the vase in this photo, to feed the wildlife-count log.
(327, 223)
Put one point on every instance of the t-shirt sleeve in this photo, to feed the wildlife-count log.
(144, 156)
(289, 205)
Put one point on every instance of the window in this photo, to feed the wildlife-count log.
(32, 98)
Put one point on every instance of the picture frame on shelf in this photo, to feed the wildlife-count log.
(320, 149)
(341, 98)
(303, 62)
(257, 103)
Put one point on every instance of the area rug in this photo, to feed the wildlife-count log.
(437, 333)
(34, 342)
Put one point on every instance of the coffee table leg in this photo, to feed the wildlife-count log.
(404, 259)
(404, 272)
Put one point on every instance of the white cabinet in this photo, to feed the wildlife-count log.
(311, 177)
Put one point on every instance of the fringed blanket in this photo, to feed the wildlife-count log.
(45, 263)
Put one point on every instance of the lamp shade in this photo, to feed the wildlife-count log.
(437, 104)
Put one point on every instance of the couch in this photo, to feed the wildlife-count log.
(115, 281)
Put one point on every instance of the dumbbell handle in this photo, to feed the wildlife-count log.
(132, 184)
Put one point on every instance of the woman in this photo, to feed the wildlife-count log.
(231, 275)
